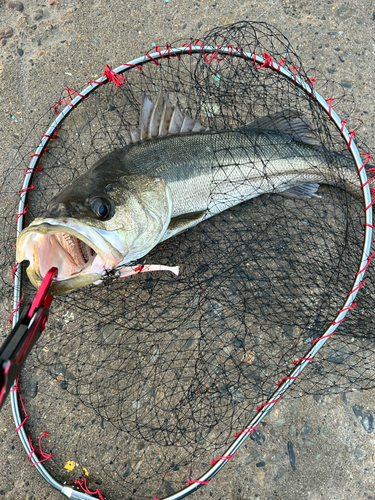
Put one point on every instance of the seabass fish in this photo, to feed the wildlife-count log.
(172, 174)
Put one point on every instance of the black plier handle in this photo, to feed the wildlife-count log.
(22, 338)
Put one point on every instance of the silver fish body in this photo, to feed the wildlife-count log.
(212, 171)
(160, 185)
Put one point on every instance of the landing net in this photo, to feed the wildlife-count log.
(142, 383)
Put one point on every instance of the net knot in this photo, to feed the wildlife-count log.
(112, 76)
(268, 62)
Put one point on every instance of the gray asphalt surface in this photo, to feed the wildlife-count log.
(53, 45)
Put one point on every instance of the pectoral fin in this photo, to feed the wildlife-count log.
(306, 190)
(182, 222)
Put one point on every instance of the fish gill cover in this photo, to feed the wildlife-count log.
(144, 380)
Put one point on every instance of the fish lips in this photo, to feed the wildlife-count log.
(44, 253)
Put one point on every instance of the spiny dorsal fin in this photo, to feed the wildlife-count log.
(288, 122)
(145, 118)
(165, 117)
(161, 119)
(156, 116)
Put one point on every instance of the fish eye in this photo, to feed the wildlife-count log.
(101, 208)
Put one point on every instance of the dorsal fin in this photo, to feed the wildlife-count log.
(161, 119)
(145, 118)
(288, 122)
(156, 116)
(165, 117)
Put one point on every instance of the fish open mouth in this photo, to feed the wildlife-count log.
(79, 252)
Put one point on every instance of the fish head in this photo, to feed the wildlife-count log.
(93, 227)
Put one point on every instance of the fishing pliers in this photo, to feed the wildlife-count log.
(24, 335)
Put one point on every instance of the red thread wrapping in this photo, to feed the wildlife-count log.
(296, 361)
(368, 263)
(54, 136)
(168, 47)
(199, 482)
(16, 389)
(311, 82)
(152, 59)
(38, 168)
(82, 484)
(295, 73)
(372, 191)
(352, 134)
(368, 225)
(39, 155)
(190, 49)
(368, 181)
(214, 56)
(325, 337)
(225, 457)
(139, 66)
(330, 99)
(61, 102)
(46, 456)
(280, 64)
(343, 122)
(112, 76)
(337, 322)
(66, 101)
(268, 62)
(74, 92)
(244, 55)
(356, 288)
(269, 403)
(22, 213)
(248, 430)
(200, 42)
(367, 160)
(25, 189)
(347, 308)
(16, 309)
(98, 83)
(138, 268)
(287, 378)
(14, 270)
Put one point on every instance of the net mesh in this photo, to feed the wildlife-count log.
(144, 381)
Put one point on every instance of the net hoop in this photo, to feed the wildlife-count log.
(306, 86)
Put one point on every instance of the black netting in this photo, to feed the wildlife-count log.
(153, 375)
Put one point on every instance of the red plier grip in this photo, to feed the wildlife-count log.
(24, 335)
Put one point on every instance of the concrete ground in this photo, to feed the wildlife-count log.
(315, 447)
